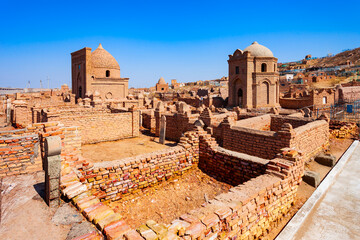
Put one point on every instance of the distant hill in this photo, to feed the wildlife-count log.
(339, 59)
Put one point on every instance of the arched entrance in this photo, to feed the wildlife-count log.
(264, 98)
(240, 97)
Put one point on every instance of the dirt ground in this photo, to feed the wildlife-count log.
(24, 213)
(108, 151)
(169, 200)
(337, 148)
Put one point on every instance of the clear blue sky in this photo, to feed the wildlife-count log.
(185, 40)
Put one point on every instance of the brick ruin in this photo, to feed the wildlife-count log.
(263, 189)
(260, 151)
(260, 154)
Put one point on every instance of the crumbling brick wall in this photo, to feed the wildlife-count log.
(266, 144)
(294, 103)
(176, 124)
(277, 121)
(228, 166)
(115, 178)
(247, 211)
(19, 154)
(22, 150)
(149, 120)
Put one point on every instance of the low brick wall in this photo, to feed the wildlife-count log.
(98, 125)
(22, 150)
(176, 124)
(231, 167)
(19, 155)
(247, 211)
(310, 137)
(115, 179)
(294, 103)
(295, 121)
(148, 120)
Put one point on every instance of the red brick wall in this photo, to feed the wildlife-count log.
(277, 121)
(247, 211)
(227, 166)
(311, 138)
(115, 178)
(149, 120)
(308, 138)
(19, 155)
(176, 124)
(293, 103)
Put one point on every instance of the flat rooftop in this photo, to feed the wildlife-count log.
(333, 210)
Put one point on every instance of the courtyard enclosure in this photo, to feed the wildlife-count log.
(264, 136)
(263, 189)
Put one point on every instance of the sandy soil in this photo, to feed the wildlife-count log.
(24, 213)
(171, 199)
(108, 151)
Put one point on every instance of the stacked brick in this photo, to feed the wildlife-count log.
(341, 129)
(20, 149)
(19, 155)
(176, 124)
(247, 211)
(117, 179)
(103, 217)
(149, 120)
(277, 121)
(221, 163)
(97, 125)
(310, 138)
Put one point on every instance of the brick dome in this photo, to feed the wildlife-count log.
(161, 81)
(258, 50)
(100, 58)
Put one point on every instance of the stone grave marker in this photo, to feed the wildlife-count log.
(162, 129)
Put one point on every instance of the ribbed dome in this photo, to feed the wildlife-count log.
(161, 81)
(101, 58)
(258, 50)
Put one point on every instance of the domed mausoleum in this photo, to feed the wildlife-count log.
(97, 71)
(162, 86)
(253, 78)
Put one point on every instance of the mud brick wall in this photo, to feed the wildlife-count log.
(294, 103)
(247, 211)
(72, 140)
(21, 115)
(117, 179)
(263, 144)
(309, 138)
(149, 120)
(70, 136)
(19, 155)
(228, 166)
(278, 121)
(98, 125)
(176, 124)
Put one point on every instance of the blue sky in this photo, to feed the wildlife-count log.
(185, 40)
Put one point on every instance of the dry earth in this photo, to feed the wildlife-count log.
(169, 200)
(108, 151)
